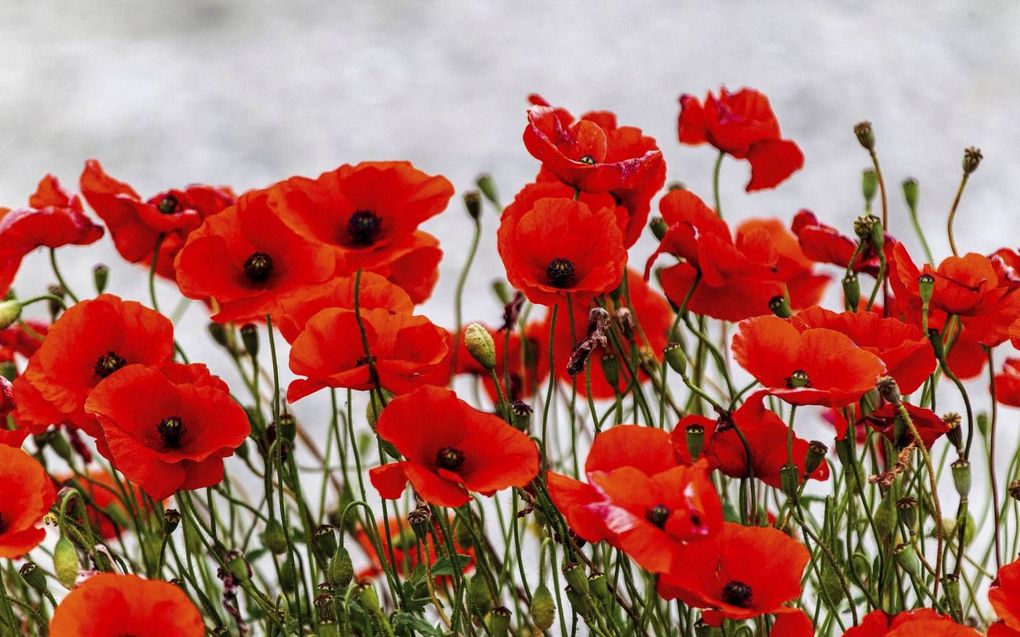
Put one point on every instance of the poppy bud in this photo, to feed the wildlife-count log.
(478, 596)
(340, 570)
(951, 527)
(473, 203)
(501, 291)
(520, 413)
(373, 409)
(288, 573)
(576, 578)
(906, 558)
(274, 537)
(907, 510)
(869, 185)
(1014, 489)
(611, 369)
(324, 539)
(982, 423)
(889, 390)
(487, 187)
(910, 193)
(676, 185)
(250, 338)
(789, 479)
(961, 477)
(368, 598)
(865, 135)
(219, 333)
(695, 436)
(815, 455)
(831, 588)
(171, 520)
(851, 291)
(499, 622)
(479, 344)
(659, 227)
(10, 311)
(971, 160)
(543, 607)
(100, 276)
(674, 354)
(599, 587)
(65, 562)
(780, 306)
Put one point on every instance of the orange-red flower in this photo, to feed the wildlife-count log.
(1004, 595)
(406, 557)
(818, 366)
(561, 247)
(108, 506)
(739, 278)
(24, 338)
(922, 622)
(137, 224)
(451, 449)
(825, 244)
(903, 348)
(405, 351)
(884, 420)
(369, 215)
(741, 572)
(89, 342)
(249, 260)
(170, 431)
(27, 496)
(743, 126)
(639, 498)
(1007, 383)
(54, 218)
(114, 605)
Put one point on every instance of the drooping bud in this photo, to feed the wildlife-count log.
(473, 203)
(480, 345)
(865, 135)
(971, 160)
(815, 455)
(851, 291)
(869, 184)
(10, 312)
(659, 227)
(676, 185)
(100, 277)
(487, 187)
(501, 291)
(250, 338)
(236, 564)
(911, 191)
(543, 607)
(674, 355)
(695, 437)
(780, 306)
(65, 562)
(961, 477)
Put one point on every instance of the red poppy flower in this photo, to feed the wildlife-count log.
(114, 605)
(739, 278)
(742, 572)
(903, 348)
(1004, 594)
(521, 368)
(108, 515)
(1007, 383)
(451, 449)
(406, 351)
(249, 260)
(796, 624)
(638, 498)
(136, 224)
(594, 155)
(562, 247)
(369, 215)
(89, 342)
(374, 292)
(765, 434)
(177, 437)
(24, 337)
(405, 552)
(10, 434)
(648, 310)
(928, 424)
(825, 244)
(818, 366)
(54, 218)
(27, 496)
(743, 126)
(922, 622)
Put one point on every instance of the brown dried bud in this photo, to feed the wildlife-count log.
(889, 390)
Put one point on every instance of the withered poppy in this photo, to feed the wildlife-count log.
(369, 214)
(54, 218)
(921, 622)
(904, 348)
(451, 449)
(1004, 595)
(137, 223)
(27, 496)
(561, 247)
(406, 352)
(638, 497)
(89, 342)
(248, 260)
(742, 572)
(818, 366)
(175, 439)
(114, 605)
(743, 126)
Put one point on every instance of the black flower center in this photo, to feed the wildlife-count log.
(449, 458)
(169, 205)
(363, 227)
(798, 379)
(108, 363)
(171, 429)
(258, 267)
(657, 515)
(737, 593)
(560, 273)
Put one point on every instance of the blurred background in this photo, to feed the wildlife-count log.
(168, 93)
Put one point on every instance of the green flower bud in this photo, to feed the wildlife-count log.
(65, 562)
(100, 276)
(611, 369)
(288, 573)
(10, 312)
(885, 520)
(780, 306)
(250, 338)
(543, 607)
(832, 588)
(487, 187)
(659, 227)
(238, 566)
(340, 570)
(910, 193)
(479, 344)
(502, 292)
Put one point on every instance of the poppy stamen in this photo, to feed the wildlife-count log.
(169, 205)
(171, 430)
(658, 515)
(798, 379)
(560, 273)
(737, 593)
(449, 458)
(258, 267)
(363, 227)
(587, 159)
(109, 363)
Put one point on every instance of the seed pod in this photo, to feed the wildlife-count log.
(910, 193)
(599, 587)
(274, 537)
(250, 339)
(473, 203)
(971, 160)
(695, 437)
(520, 413)
(368, 598)
(815, 456)
(33, 576)
(324, 539)
(543, 607)
(906, 558)
(789, 479)
(674, 354)
(100, 277)
(611, 369)
(659, 227)
(499, 621)
(961, 477)
(780, 306)
(479, 597)
(171, 520)
(865, 135)
(851, 291)
(576, 578)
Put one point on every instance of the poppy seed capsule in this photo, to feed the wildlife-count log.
(560, 273)
(543, 607)
(258, 267)
(499, 621)
(865, 135)
(674, 355)
(100, 277)
(851, 291)
(659, 227)
(906, 558)
(611, 369)
(368, 598)
(789, 479)
(780, 306)
(889, 390)
(324, 539)
(911, 190)
(971, 160)
(520, 413)
(695, 437)
(576, 578)
(171, 520)
(250, 338)
(925, 287)
(473, 203)
(907, 510)
(480, 345)
(815, 456)
(33, 576)
(274, 538)
(10, 311)
(869, 184)
(961, 477)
